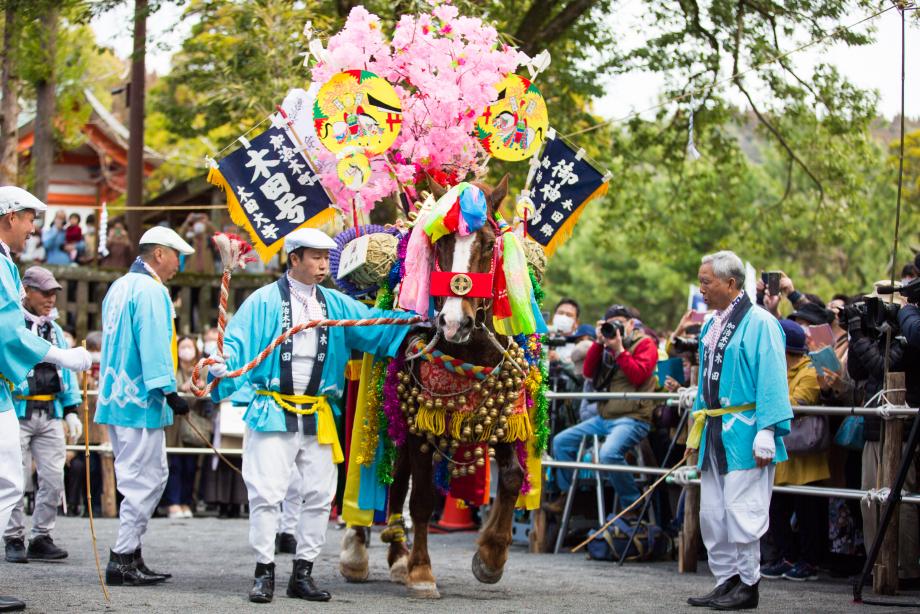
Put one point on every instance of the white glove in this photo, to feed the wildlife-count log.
(219, 368)
(76, 359)
(74, 426)
(765, 444)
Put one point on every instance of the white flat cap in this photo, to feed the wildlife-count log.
(14, 198)
(167, 237)
(308, 237)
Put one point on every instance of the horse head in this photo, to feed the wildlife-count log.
(464, 270)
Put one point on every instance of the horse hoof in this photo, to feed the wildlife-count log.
(424, 590)
(483, 573)
(353, 562)
(354, 574)
(399, 570)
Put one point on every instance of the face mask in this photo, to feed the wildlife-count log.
(187, 354)
(198, 228)
(563, 323)
(210, 348)
(96, 357)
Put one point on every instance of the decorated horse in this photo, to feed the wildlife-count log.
(465, 391)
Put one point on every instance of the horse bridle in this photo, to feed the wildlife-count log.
(454, 284)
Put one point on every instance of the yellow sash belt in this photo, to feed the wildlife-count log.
(325, 421)
(699, 421)
(36, 397)
(7, 381)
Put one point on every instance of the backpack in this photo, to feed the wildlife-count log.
(649, 543)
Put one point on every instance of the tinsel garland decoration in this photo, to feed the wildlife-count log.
(538, 292)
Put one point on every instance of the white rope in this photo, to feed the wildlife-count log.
(686, 397)
(876, 495)
(683, 475)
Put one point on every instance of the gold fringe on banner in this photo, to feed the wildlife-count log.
(565, 231)
(238, 217)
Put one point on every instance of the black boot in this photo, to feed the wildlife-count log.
(122, 569)
(263, 585)
(16, 550)
(286, 543)
(11, 604)
(301, 584)
(142, 566)
(43, 549)
(742, 597)
(719, 591)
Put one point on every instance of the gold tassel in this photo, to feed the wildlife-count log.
(430, 420)
(518, 428)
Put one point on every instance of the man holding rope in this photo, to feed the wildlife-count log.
(137, 394)
(20, 349)
(291, 417)
(741, 412)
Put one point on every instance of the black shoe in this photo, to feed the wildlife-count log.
(11, 604)
(301, 584)
(719, 591)
(742, 597)
(16, 550)
(43, 549)
(286, 543)
(122, 569)
(142, 566)
(263, 585)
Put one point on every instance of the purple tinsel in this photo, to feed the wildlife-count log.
(342, 239)
(521, 448)
(396, 422)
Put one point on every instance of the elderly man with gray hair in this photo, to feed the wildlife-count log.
(740, 414)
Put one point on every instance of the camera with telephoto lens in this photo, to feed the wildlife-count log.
(873, 315)
(609, 329)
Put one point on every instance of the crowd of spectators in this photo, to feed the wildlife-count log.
(71, 240)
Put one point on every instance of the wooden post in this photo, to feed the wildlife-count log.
(885, 573)
(688, 540)
(108, 485)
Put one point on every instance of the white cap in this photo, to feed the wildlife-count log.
(308, 237)
(160, 235)
(13, 198)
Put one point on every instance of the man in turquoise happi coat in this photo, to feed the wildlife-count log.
(20, 349)
(137, 393)
(740, 414)
(298, 391)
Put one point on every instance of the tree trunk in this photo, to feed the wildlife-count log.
(9, 106)
(43, 147)
(135, 196)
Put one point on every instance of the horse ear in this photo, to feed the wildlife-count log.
(436, 188)
(499, 192)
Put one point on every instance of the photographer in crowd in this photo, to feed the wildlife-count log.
(623, 359)
(561, 342)
(871, 332)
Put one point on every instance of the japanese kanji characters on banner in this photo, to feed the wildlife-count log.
(513, 127)
(272, 189)
(561, 183)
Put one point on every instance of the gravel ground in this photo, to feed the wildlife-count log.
(212, 567)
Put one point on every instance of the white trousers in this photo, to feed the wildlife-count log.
(269, 460)
(11, 482)
(141, 472)
(292, 504)
(41, 439)
(734, 515)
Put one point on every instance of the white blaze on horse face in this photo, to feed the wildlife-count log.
(452, 316)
